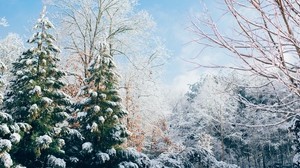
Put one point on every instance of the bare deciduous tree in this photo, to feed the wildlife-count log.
(86, 23)
(264, 36)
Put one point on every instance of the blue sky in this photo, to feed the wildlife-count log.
(172, 18)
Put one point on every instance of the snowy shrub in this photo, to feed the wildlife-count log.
(74, 159)
(296, 159)
(47, 100)
(6, 160)
(96, 108)
(43, 141)
(4, 129)
(131, 155)
(101, 119)
(5, 116)
(102, 157)
(5, 145)
(87, 147)
(189, 158)
(57, 130)
(112, 152)
(74, 132)
(36, 90)
(109, 110)
(34, 108)
(128, 165)
(61, 143)
(22, 126)
(55, 162)
(15, 138)
(81, 114)
(94, 127)
(94, 94)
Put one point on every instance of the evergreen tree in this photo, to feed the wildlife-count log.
(35, 98)
(100, 114)
(9, 134)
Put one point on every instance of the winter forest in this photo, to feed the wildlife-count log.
(87, 87)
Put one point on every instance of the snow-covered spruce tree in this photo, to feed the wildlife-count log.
(35, 98)
(99, 119)
(9, 136)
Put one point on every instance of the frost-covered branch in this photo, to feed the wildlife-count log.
(264, 39)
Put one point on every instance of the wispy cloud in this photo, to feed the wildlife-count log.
(3, 22)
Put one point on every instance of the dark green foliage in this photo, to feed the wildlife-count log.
(99, 116)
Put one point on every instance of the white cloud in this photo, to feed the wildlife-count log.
(3, 22)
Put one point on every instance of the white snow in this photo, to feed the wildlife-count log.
(296, 159)
(114, 104)
(94, 94)
(15, 138)
(36, 90)
(43, 141)
(22, 126)
(28, 62)
(127, 165)
(5, 116)
(75, 132)
(56, 162)
(81, 114)
(112, 152)
(33, 108)
(109, 110)
(5, 145)
(74, 159)
(87, 147)
(103, 157)
(44, 61)
(61, 143)
(4, 129)
(57, 130)
(94, 127)
(43, 71)
(115, 117)
(101, 119)
(129, 133)
(6, 160)
(24, 77)
(47, 100)
(96, 108)
(19, 72)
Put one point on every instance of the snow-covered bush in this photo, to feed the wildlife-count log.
(55, 162)
(6, 160)
(43, 141)
(189, 158)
